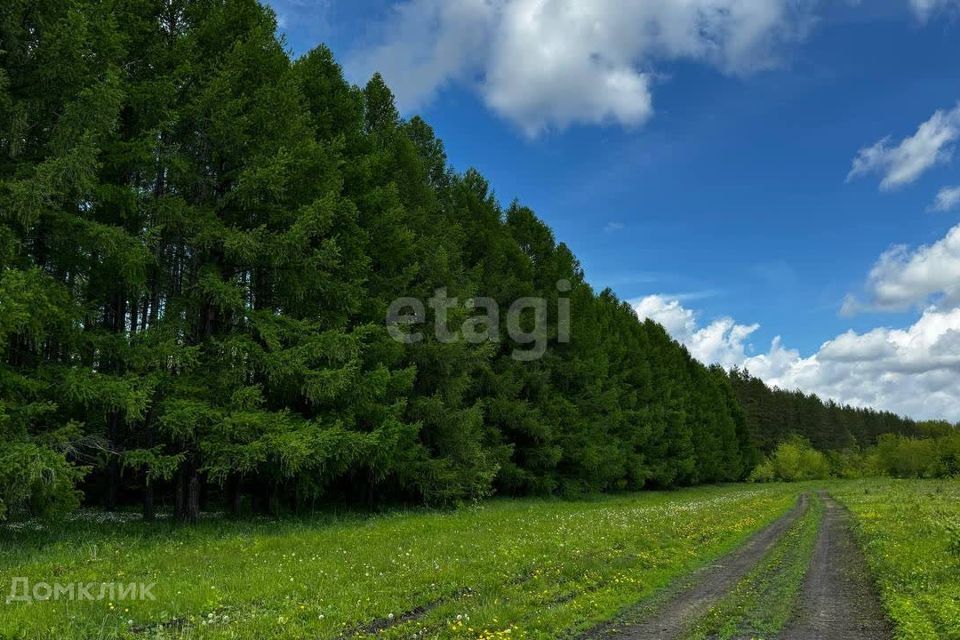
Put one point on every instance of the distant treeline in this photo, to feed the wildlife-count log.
(801, 437)
(774, 416)
(200, 239)
(935, 456)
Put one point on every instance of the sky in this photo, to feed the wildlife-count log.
(774, 181)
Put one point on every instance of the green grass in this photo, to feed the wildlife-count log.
(506, 568)
(762, 603)
(910, 530)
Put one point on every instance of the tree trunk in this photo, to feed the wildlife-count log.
(113, 478)
(188, 494)
(179, 503)
(234, 496)
(274, 500)
(192, 506)
(149, 514)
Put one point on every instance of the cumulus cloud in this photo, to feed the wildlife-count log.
(722, 341)
(550, 63)
(910, 371)
(904, 162)
(427, 44)
(948, 198)
(905, 277)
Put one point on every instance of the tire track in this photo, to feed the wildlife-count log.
(679, 608)
(839, 600)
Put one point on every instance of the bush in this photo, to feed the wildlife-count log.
(763, 472)
(953, 539)
(849, 464)
(903, 457)
(792, 461)
(36, 481)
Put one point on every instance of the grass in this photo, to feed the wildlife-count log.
(910, 531)
(762, 603)
(506, 568)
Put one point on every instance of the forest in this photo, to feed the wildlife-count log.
(200, 238)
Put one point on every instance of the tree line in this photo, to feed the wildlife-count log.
(775, 416)
(200, 238)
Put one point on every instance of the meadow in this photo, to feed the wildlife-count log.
(505, 568)
(910, 531)
(528, 568)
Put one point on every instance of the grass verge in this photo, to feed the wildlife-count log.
(910, 532)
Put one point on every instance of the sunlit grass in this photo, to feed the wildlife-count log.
(910, 530)
(523, 568)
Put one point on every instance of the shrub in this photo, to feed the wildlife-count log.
(903, 457)
(36, 481)
(763, 472)
(792, 461)
(953, 541)
(848, 464)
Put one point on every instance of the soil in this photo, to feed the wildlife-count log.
(839, 600)
(678, 609)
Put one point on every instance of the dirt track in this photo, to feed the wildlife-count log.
(839, 600)
(677, 610)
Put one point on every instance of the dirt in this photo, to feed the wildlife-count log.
(379, 625)
(680, 607)
(839, 600)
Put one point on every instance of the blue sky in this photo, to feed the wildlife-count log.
(709, 164)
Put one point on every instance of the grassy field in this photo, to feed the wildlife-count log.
(910, 530)
(506, 568)
(525, 568)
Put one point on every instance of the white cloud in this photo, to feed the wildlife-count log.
(948, 198)
(427, 44)
(723, 341)
(903, 163)
(550, 63)
(924, 9)
(903, 278)
(910, 371)
(294, 13)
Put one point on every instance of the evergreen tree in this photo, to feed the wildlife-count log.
(200, 241)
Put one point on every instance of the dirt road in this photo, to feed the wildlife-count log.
(839, 600)
(676, 611)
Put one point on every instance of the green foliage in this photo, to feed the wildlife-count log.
(35, 481)
(903, 457)
(775, 415)
(199, 241)
(953, 537)
(850, 464)
(792, 461)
